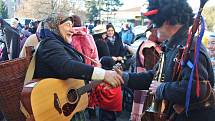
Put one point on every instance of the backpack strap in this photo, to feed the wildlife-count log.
(28, 78)
(31, 67)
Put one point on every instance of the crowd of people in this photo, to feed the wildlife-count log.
(65, 49)
(15, 35)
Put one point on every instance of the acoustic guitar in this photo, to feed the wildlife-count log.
(58, 100)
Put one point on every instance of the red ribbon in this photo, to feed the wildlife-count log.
(197, 74)
(151, 12)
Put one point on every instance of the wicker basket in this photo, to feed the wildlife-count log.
(12, 75)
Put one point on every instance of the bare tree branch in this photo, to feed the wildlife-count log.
(40, 8)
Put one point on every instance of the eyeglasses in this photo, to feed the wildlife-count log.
(67, 19)
(68, 23)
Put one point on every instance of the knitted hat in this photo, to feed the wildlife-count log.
(51, 23)
(55, 19)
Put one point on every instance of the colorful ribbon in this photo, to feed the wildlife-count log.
(196, 59)
(151, 12)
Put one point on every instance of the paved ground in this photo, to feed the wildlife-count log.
(124, 116)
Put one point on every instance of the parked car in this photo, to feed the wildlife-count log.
(26, 21)
(23, 21)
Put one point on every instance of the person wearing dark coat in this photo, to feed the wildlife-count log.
(3, 51)
(2, 37)
(33, 28)
(102, 48)
(114, 43)
(12, 40)
(55, 58)
(110, 101)
(173, 26)
(11, 35)
(99, 37)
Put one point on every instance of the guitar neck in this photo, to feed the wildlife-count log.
(88, 87)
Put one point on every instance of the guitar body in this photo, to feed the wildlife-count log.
(50, 100)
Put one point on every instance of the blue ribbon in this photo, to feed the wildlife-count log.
(188, 93)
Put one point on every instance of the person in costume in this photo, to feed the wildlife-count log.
(190, 97)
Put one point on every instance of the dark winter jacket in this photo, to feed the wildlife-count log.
(172, 87)
(57, 59)
(175, 92)
(101, 45)
(3, 51)
(116, 49)
(12, 39)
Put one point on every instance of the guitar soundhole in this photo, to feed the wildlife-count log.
(68, 108)
(72, 96)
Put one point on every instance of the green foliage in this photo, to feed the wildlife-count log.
(93, 10)
(94, 7)
(112, 5)
(3, 10)
(209, 15)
